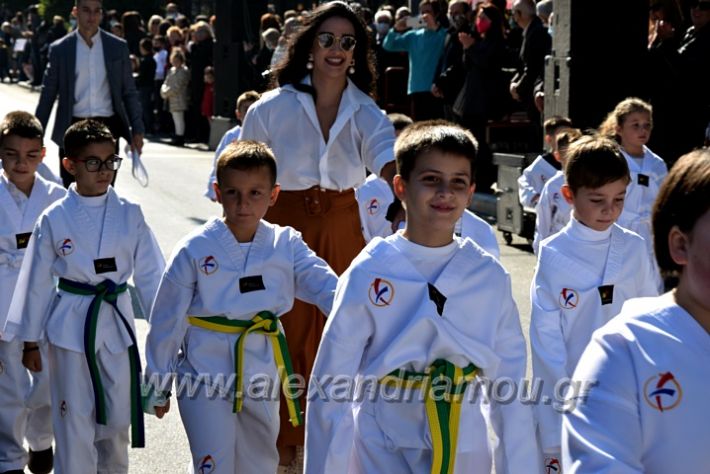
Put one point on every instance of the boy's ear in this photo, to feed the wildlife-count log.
(69, 166)
(42, 154)
(399, 186)
(567, 194)
(470, 196)
(274, 194)
(217, 192)
(678, 246)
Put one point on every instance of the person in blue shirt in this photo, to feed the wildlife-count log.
(425, 46)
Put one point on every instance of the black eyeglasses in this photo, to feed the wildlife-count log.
(327, 40)
(94, 165)
(704, 6)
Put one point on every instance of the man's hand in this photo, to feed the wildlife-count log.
(540, 101)
(436, 92)
(137, 144)
(466, 39)
(514, 91)
(31, 358)
(161, 411)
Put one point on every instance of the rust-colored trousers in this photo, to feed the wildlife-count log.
(330, 224)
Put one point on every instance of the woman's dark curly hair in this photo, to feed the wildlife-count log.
(292, 69)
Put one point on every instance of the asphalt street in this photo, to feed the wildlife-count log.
(173, 205)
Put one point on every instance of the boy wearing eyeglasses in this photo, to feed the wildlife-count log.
(92, 241)
(24, 194)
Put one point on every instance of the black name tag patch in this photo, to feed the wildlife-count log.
(251, 283)
(643, 180)
(23, 239)
(105, 265)
(606, 294)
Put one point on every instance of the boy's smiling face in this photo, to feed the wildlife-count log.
(20, 159)
(245, 196)
(439, 189)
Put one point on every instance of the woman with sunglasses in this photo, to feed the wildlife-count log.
(325, 130)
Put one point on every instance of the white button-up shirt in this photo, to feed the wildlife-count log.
(286, 120)
(92, 96)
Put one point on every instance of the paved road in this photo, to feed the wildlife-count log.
(173, 205)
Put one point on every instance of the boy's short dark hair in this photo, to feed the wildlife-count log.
(440, 135)
(83, 133)
(21, 123)
(246, 155)
(399, 121)
(684, 198)
(594, 161)
(556, 121)
(147, 44)
(248, 96)
(565, 138)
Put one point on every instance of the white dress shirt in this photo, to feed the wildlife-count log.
(286, 120)
(92, 96)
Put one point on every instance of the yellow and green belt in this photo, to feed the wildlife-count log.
(108, 291)
(265, 323)
(443, 384)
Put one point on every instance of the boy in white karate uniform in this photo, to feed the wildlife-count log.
(218, 304)
(648, 411)
(552, 212)
(545, 166)
(24, 194)
(584, 274)
(421, 307)
(93, 241)
(375, 196)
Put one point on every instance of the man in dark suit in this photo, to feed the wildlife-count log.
(90, 71)
(536, 45)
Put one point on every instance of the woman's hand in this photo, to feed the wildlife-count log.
(31, 358)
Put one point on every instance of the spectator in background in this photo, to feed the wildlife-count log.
(163, 122)
(537, 43)
(484, 94)
(117, 29)
(145, 82)
(175, 91)
(450, 73)
(544, 12)
(200, 57)
(690, 65)
(133, 30)
(261, 62)
(291, 26)
(269, 20)
(154, 25)
(425, 46)
(172, 11)
(207, 105)
(176, 39)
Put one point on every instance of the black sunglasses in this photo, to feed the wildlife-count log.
(327, 40)
(94, 165)
(704, 6)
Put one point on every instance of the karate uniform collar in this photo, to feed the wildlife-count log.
(89, 201)
(581, 232)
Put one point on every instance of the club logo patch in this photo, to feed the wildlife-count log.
(373, 207)
(662, 392)
(569, 299)
(552, 465)
(381, 292)
(65, 247)
(63, 408)
(207, 465)
(208, 265)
